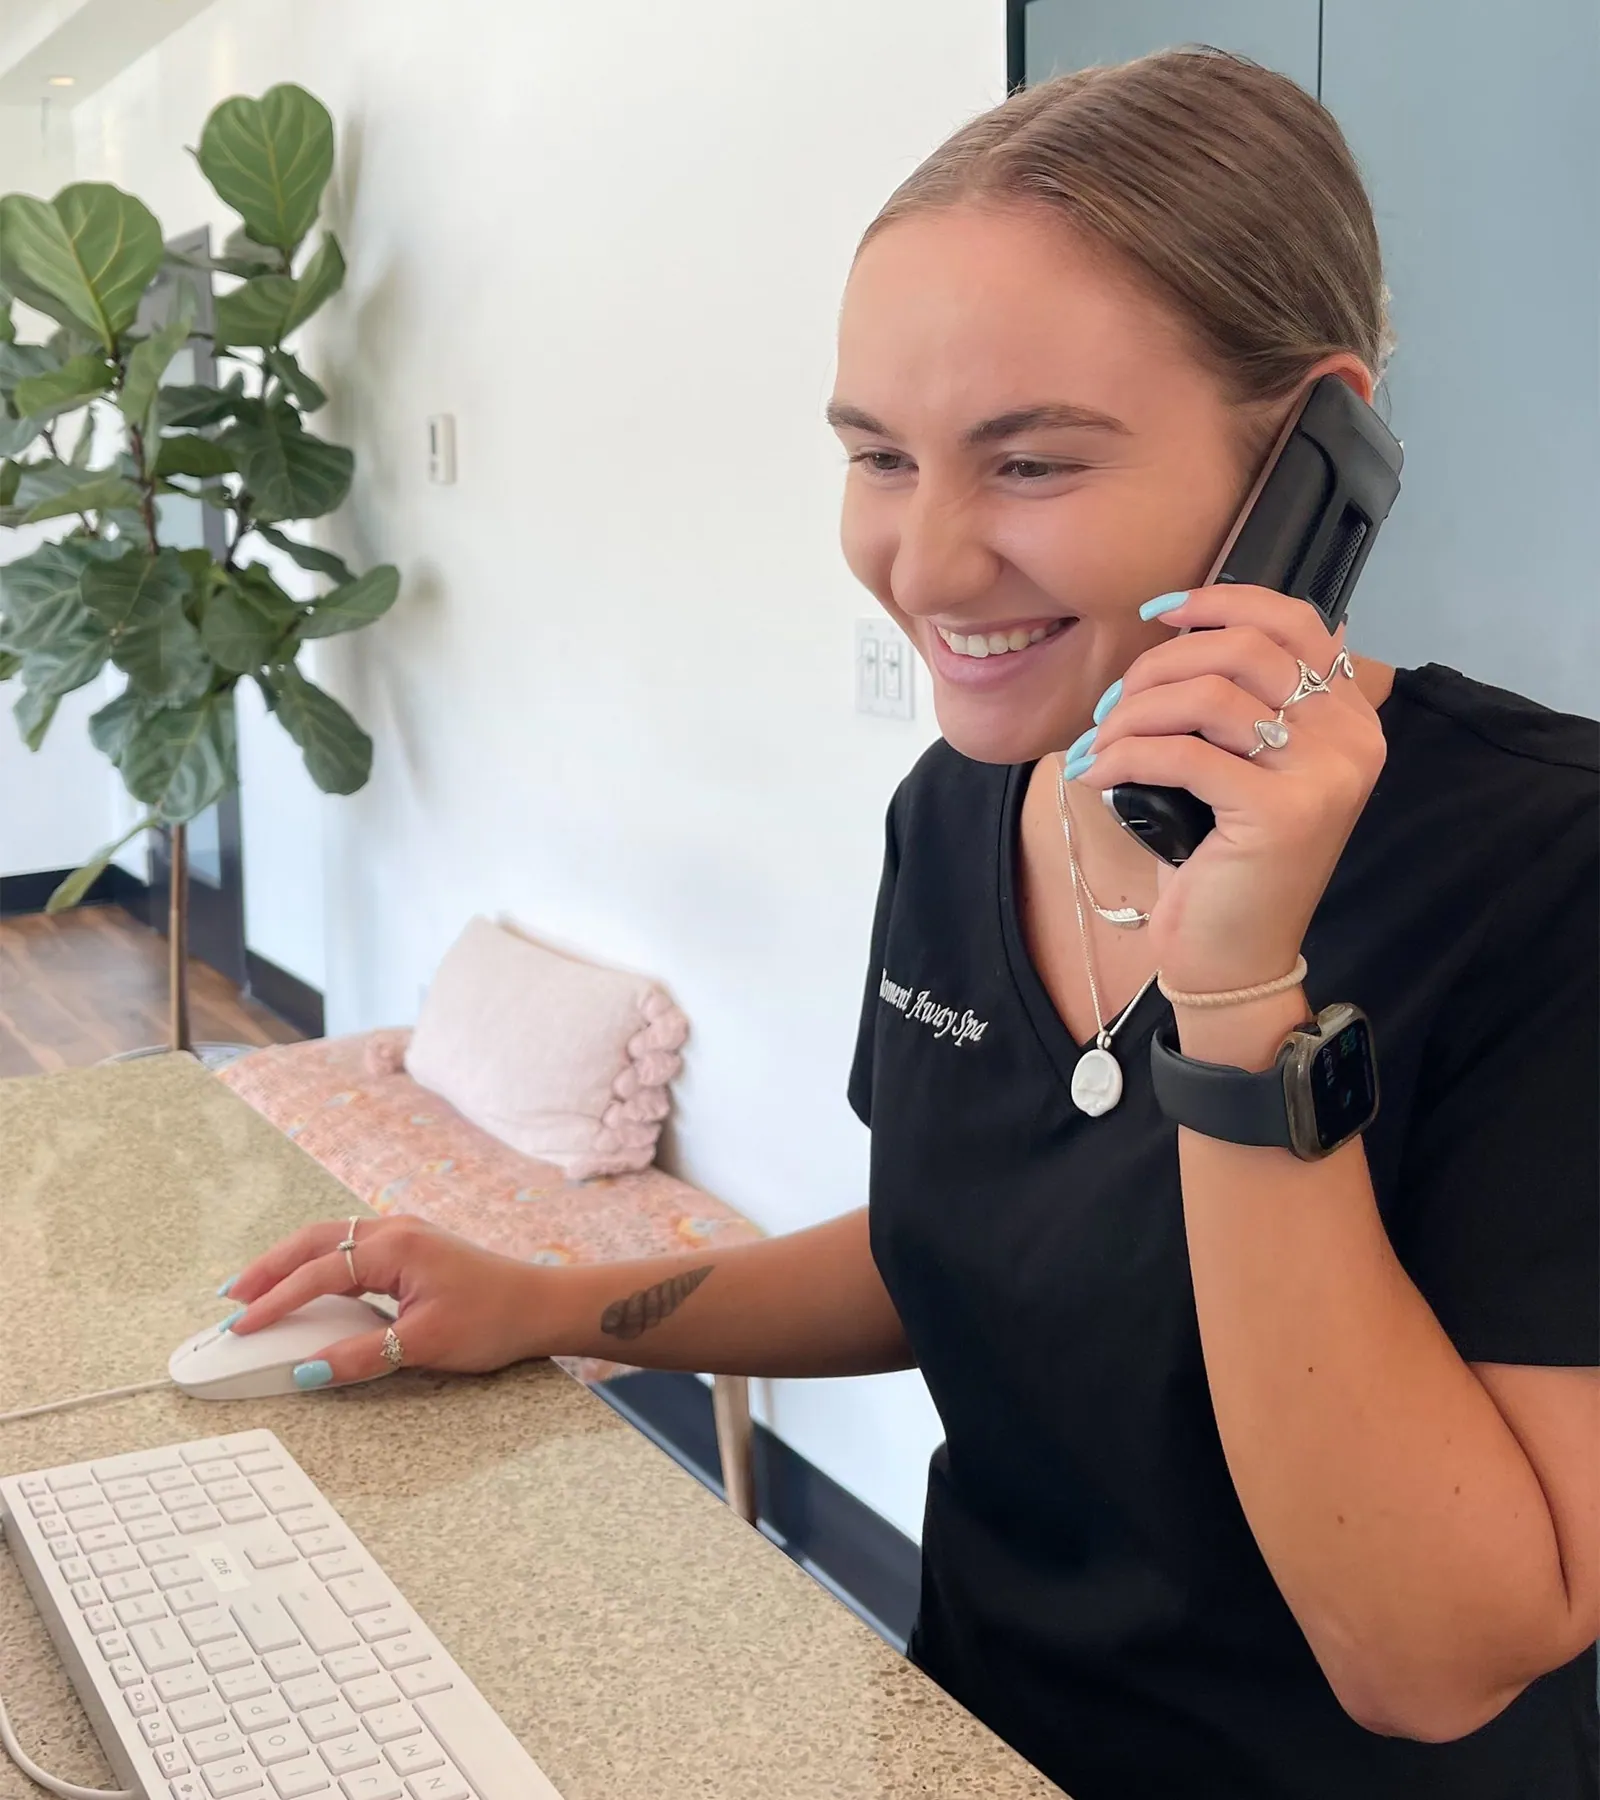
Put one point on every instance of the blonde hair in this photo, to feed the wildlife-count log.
(1223, 186)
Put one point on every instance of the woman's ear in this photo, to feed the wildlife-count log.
(1350, 369)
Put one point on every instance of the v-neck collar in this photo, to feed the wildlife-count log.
(1057, 1041)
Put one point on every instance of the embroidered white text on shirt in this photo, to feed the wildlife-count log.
(943, 1021)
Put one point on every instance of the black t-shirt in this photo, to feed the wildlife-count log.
(1091, 1588)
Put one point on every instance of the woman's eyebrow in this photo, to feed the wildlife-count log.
(1047, 416)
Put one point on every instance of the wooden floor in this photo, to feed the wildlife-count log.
(81, 985)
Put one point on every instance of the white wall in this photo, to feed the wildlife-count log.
(615, 698)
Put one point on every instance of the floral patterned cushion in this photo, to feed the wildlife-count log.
(349, 1103)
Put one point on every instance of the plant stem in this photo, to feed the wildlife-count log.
(178, 937)
(147, 489)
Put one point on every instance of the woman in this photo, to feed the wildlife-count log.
(1265, 1475)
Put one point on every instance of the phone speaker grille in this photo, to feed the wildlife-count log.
(1329, 580)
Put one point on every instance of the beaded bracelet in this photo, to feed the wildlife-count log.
(1238, 996)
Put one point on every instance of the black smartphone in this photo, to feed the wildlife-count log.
(1305, 529)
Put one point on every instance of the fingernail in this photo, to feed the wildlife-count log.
(1163, 603)
(237, 1314)
(222, 1292)
(312, 1374)
(1078, 765)
(1106, 701)
(1078, 745)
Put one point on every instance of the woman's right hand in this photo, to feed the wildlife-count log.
(461, 1307)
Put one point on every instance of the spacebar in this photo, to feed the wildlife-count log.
(483, 1747)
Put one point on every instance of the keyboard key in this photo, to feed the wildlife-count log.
(60, 1480)
(135, 1462)
(76, 1568)
(260, 1714)
(299, 1519)
(141, 1610)
(411, 1755)
(124, 1587)
(257, 1462)
(372, 1784)
(386, 1723)
(113, 1562)
(146, 1531)
(265, 1624)
(125, 1487)
(191, 1596)
(56, 1527)
(292, 1781)
(182, 1498)
(141, 1700)
(170, 1479)
(226, 1654)
(320, 1540)
(323, 1722)
(281, 1491)
(241, 1512)
(141, 1506)
(197, 1518)
(243, 1684)
(269, 1549)
(426, 1678)
(126, 1671)
(309, 1690)
(213, 1744)
(113, 1645)
(170, 1760)
(218, 1469)
(208, 1626)
(440, 1784)
(178, 1571)
(280, 1743)
(239, 1775)
(31, 1486)
(337, 1563)
(285, 1665)
(188, 1787)
(323, 1625)
(351, 1665)
(234, 1488)
(88, 1593)
(371, 1691)
(155, 1730)
(85, 1518)
(197, 1714)
(99, 1619)
(386, 1622)
(343, 1754)
(207, 1450)
(42, 1506)
(361, 1593)
(63, 1547)
(182, 1684)
(102, 1537)
(160, 1646)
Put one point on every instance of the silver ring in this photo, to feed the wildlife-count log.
(393, 1354)
(1272, 733)
(348, 1246)
(1311, 682)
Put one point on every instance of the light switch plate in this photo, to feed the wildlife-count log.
(885, 670)
(442, 448)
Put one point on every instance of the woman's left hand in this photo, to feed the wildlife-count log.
(1236, 912)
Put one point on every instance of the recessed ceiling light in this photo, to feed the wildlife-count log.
(62, 80)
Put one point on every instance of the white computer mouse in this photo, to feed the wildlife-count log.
(216, 1365)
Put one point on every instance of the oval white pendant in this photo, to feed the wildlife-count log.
(1096, 1082)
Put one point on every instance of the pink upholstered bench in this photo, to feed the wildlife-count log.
(398, 1147)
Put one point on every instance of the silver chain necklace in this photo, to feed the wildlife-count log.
(1097, 1079)
(1128, 917)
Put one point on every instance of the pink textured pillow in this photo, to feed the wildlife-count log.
(560, 1059)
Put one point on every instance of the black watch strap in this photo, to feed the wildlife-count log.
(1240, 1106)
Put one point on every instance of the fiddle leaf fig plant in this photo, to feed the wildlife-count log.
(91, 435)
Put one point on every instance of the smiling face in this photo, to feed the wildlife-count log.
(1035, 450)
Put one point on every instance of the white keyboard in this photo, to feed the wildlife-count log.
(229, 1636)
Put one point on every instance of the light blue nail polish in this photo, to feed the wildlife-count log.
(1163, 603)
(1080, 744)
(237, 1313)
(222, 1292)
(1106, 701)
(312, 1374)
(1078, 765)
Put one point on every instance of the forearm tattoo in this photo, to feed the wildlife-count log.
(634, 1316)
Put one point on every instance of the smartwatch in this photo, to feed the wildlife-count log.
(1321, 1091)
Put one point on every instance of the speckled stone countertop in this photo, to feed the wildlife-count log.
(634, 1634)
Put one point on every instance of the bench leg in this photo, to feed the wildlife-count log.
(730, 1403)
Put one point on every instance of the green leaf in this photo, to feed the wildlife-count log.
(338, 753)
(45, 397)
(45, 478)
(21, 362)
(83, 449)
(256, 313)
(194, 406)
(10, 662)
(114, 724)
(10, 476)
(289, 473)
(270, 159)
(33, 713)
(8, 325)
(17, 434)
(78, 883)
(93, 496)
(88, 255)
(191, 455)
(253, 258)
(245, 621)
(139, 599)
(150, 361)
(41, 596)
(68, 661)
(321, 562)
(286, 366)
(355, 604)
(182, 758)
(319, 281)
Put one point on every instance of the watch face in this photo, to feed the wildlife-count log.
(1343, 1084)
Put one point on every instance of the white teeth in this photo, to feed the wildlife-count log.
(1000, 643)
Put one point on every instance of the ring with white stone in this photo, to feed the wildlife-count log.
(393, 1354)
(348, 1246)
(1273, 733)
